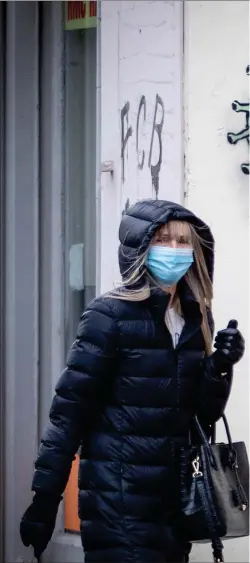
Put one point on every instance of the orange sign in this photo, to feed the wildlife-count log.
(80, 15)
(71, 520)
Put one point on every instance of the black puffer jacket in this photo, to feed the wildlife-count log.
(128, 397)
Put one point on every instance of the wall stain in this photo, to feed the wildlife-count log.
(234, 138)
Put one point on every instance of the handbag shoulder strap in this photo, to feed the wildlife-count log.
(217, 544)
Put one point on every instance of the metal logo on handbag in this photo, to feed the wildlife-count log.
(214, 490)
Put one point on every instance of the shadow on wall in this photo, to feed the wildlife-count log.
(234, 138)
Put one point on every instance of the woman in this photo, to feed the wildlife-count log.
(141, 366)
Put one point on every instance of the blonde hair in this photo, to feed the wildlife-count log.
(197, 276)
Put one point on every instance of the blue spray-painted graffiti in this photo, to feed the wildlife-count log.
(234, 138)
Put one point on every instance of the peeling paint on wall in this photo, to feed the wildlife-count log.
(234, 138)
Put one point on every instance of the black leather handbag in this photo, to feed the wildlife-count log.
(214, 490)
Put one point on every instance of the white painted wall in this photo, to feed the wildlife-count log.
(216, 57)
(141, 55)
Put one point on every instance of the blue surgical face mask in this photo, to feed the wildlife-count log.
(168, 265)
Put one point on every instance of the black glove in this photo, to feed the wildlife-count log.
(38, 522)
(230, 346)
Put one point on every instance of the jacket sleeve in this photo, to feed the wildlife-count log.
(79, 395)
(214, 393)
(215, 387)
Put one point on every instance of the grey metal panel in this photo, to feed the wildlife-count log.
(51, 304)
(63, 547)
(21, 266)
(2, 277)
(51, 297)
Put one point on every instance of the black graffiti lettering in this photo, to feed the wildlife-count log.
(142, 106)
(127, 204)
(127, 131)
(243, 134)
(157, 128)
(124, 138)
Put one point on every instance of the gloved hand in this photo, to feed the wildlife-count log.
(38, 522)
(230, 345)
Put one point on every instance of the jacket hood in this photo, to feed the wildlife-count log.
(141, 220)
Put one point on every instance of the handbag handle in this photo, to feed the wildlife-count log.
(228, 433)
(203, 436)
(205, 441)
